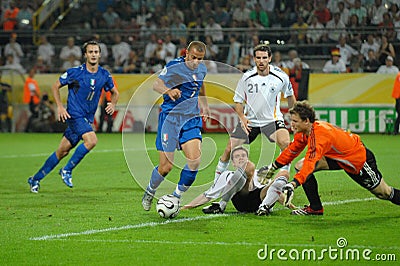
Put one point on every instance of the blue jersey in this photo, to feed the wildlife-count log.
(84, 90)
(176, 74)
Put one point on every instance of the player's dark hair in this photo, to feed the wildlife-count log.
(91, 42)
(264, 47)
(198, 45)
(238, 148)
(304, 110)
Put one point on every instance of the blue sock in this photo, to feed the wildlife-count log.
(155, 180)
(185, 181)
(49, 165)
(78, 155)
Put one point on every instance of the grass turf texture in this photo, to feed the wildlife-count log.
(103, 222)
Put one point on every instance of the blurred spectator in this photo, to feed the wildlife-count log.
(24, 17)
(212, 67)
(335, 28)
(295, 75)
(177, 29)
(158, 57)
(170, 48)
(147, 30)
(9, 17)
(284, 13)
(46, 51)
(386, 27)
(41, 66)
(14, 48)
(241, 15)
(347, 53)
(315, 32)
(70, 54)
(277, 61)
(150, 47)
(181, 47)
(6, 109)
(388, 67)
(322, 12)
(173, 11)
(371, 64)
(111, 17)
(333, 5)
(11, 64)
(386, 48)
(214, 30)
(212, 49)
(44, 119)
(196, 28)
(144, 15)
(222, 17)
(87, 18)
(370, 44)
(234, 51)
(344, 13)
(298, 31)
(192, 13)
(120, 52)
(32, 96)
(376, 13)
(394, 11)
(132, 65)
(244, 63)
(354, 32)
(125, 11)
(290, 64)
(207, 11)
(259, 17)
(103, 49)
(360, 11)
(334, 65)
(306, 11)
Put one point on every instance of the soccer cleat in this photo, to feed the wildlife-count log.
(66, 177)
(263, 210)
(214, 208)
(34, 184)
(307, 211)
(287, 193)
(147, 200)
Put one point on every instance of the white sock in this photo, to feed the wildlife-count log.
(274, 191)
(221, 167)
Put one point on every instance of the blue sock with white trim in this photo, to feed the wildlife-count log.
(78, 155)
(185, 181)
(49, 165)
(155, 180)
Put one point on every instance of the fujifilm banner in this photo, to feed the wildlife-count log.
(358, 119)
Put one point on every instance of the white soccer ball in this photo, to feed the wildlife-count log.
(168, 206)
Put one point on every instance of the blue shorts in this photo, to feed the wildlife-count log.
(76, 128)
(174, 130)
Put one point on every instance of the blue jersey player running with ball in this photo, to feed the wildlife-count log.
(85, 83)
(179, 122)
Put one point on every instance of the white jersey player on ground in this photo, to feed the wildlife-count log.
(257, 103)
(245, 192)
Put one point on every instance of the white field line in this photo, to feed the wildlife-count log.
(11, 156)
(153, 224)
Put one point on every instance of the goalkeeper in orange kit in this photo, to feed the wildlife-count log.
(329, 148)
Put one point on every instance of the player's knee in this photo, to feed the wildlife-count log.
(164, 169)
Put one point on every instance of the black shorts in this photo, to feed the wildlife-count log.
(267, 130)
(248, 201)
(369, 176)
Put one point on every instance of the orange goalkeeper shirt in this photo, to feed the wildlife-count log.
(326, 140)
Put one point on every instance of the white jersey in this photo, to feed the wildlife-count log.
(262, 95)
(218, 188)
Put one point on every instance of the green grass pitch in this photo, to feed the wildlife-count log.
(101, 222)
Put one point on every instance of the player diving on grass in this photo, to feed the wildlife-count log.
(85, 83)
(243, 189)
(329, 148)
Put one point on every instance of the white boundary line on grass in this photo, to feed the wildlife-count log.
(12, 156)
(152, 224)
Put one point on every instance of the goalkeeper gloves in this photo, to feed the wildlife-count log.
(287, 193)
(265, 173)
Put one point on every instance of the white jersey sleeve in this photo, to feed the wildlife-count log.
(217, 189)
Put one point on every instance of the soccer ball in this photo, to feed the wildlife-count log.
(168, 206)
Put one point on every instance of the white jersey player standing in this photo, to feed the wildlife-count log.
(257, 103)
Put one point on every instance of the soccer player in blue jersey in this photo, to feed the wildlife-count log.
(85, 83)
(180, 123)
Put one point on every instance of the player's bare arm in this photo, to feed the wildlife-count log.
(62, 113)
(159, 86)
(205, 109)
(243, 119)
